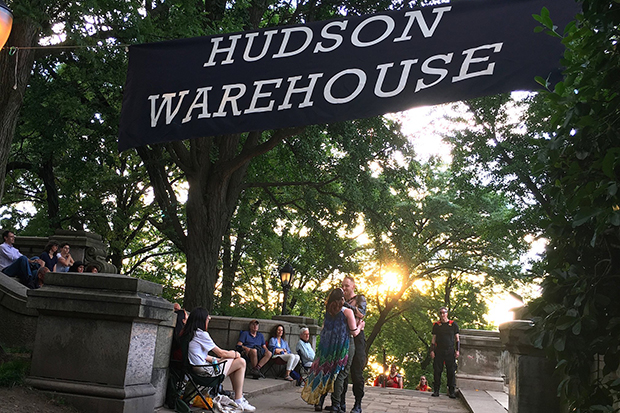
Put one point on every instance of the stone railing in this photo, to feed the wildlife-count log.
(480, 361)
(102, 341)
(532, 386)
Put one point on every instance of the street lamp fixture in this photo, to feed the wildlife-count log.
(286, 277)
(6, 22)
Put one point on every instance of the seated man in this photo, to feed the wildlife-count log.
(252, 346)
(14, 264)
(304, 348)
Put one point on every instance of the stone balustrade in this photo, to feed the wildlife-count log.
(479, 364)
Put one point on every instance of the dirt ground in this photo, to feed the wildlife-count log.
(26, 400)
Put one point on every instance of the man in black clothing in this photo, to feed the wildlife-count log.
(357, 303)
(443, 351)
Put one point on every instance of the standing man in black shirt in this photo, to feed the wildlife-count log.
(445, 334)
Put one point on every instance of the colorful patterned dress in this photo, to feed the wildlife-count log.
(331, 357)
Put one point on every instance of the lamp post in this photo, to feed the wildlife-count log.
(6, 22)
(286, 276)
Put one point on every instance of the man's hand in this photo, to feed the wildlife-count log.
(38, 261)
(456, 354)
(432, 354)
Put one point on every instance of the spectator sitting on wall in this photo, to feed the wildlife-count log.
(91, 268)
(280, 349)
(14, 264)
(78, 266)
(48, 256)
(252, 346)
(304, 348)
(41, 276)
(65, 260)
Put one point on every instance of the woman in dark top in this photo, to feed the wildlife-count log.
(49, 255)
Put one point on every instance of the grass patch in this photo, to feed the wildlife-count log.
(13, 372)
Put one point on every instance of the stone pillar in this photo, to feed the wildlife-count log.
(532, 388)
(479, 361)
(96, 340)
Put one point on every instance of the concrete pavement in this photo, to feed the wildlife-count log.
(279, 396)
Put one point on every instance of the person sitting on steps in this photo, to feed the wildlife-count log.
(252, 346)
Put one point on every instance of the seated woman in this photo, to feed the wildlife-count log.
(49, 255)
(201, 344)
(394, 379)
(91, 268)
(280, 349)
(78, 266)
(176, 353)
(423, 385)
(65, 260)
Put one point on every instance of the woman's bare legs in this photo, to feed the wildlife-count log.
(236, 372)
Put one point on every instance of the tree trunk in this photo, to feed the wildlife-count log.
(15, 73)
(46, 173)
(209, 210)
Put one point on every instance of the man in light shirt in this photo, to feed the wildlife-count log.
(304, 348)
(14, 264)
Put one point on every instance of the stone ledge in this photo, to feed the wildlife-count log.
(477, 382)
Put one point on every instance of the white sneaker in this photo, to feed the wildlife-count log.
(247, 407)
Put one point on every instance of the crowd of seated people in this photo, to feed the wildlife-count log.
(393, 379)
(55, 258)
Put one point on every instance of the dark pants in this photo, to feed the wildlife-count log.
(357, 370)
(450, 362)
(20, 268)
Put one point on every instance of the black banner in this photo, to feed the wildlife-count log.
(342, 69)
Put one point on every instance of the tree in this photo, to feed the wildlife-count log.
(578, 314)
(444, 231)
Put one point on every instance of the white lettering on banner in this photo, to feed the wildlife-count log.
(307, 90)
(248, 47)
(401, 84)
(431, 72)
(168, 104)
(331, 36)
(389, 23)
(258, 95)
(427, 69)
(327, 92)
(287, 35)
(232, 99)
(417, 15)
(230, 50)
(284, 37)
(469, 59)
(201, 93)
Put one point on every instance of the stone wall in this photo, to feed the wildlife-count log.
(97, 341)
(479, 363)
(18, 323)
(532, 387)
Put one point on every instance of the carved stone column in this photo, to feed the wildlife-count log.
(96, 340)
(532, 387)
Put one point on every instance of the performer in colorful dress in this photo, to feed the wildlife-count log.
(331, 363)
